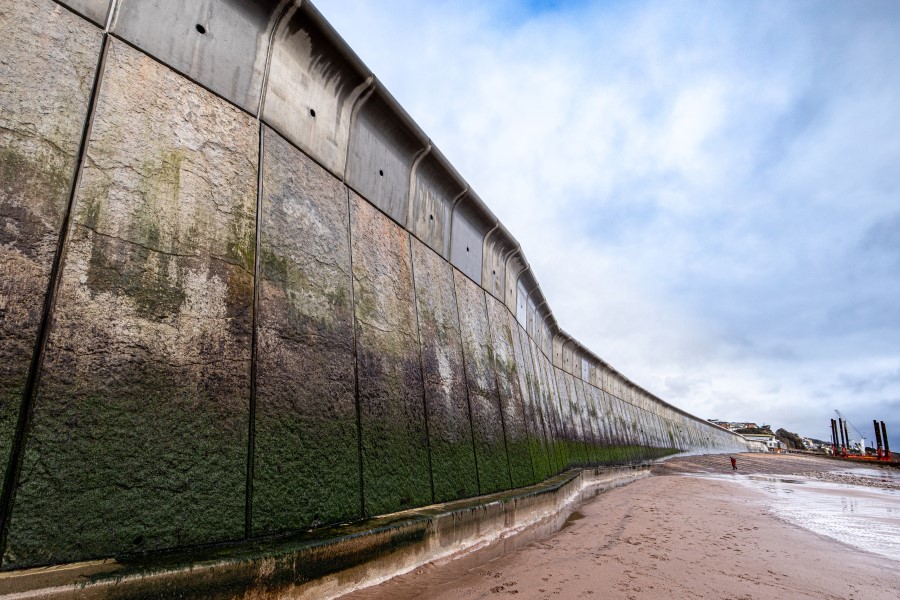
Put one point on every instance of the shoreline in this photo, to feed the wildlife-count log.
(688, 531)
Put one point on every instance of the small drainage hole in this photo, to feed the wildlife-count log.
(201, 29)
(380, 172)
(312, 113)
(467, 248)
(431, 217)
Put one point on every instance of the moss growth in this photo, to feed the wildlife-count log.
(10, 400)
(85, 493)
(307, 471)
(521, 470)
(453, 470)
(45, 179)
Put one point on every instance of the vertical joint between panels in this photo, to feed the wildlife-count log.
(26, 405)
(359, 442)
(254, 345)
(462, 348)
(412, 270)
(490, 335)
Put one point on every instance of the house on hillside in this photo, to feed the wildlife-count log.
(771, 442)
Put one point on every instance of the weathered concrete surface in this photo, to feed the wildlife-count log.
(446, 398)
(306, 469)
(609, 419)
(511, 402)
(139, 433)
(487, 418)
(551, 416)
(541, 399)
(590, 440)
(534, 420)
(626, 451)
(598, 416)
(48, 60)
(95, 10)
(551, 396)
(572, 417)
(311, 88)
(391, 403)
(228, 56)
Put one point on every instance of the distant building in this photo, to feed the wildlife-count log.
(771, 442)
(733, 425)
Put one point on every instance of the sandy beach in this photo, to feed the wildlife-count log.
(691, 530)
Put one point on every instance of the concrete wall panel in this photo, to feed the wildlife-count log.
(487, 417)
(511, 401)
(542, 397)
(605, 419)
(615, 420)
(306, 468)
(436, 188)
(221, 44)
(469, 225)
(95, 10)
(446, 398)
(384, 145)
(595, 414)
(531, 317)
(534, 418)
(522, 305)
(312, 87)
(547, 337)
(584, 407)
(139, 432)
(49, 60)
(557, 346)
(563, 419)
(515, 265)
(572, 425)
(497, 247)
(391, 403)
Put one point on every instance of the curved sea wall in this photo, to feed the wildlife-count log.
(244, 295)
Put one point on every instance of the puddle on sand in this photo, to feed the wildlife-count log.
(854, 506)
(575, 516)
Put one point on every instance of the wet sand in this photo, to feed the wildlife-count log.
(686, 532)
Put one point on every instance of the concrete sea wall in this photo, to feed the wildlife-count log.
(242, 294)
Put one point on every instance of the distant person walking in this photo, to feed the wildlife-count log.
(733, 463)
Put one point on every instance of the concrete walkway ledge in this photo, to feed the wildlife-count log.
(327, 563)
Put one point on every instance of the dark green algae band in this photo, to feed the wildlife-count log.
(287, 562)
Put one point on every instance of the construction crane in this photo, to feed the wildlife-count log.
(861, 444)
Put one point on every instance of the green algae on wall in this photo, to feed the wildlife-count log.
(571, 412)
(511, 401)
(534, 419)
(590, 417)
(48, 64)
(542, 399)
(446, 399)
(551, 396)
(487, 417)
(139, 431)
(306, 461)
(391, 407)
(586, 426)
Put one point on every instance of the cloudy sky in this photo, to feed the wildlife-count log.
(709, 192)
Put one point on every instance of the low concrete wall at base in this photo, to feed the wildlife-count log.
(336, 561)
